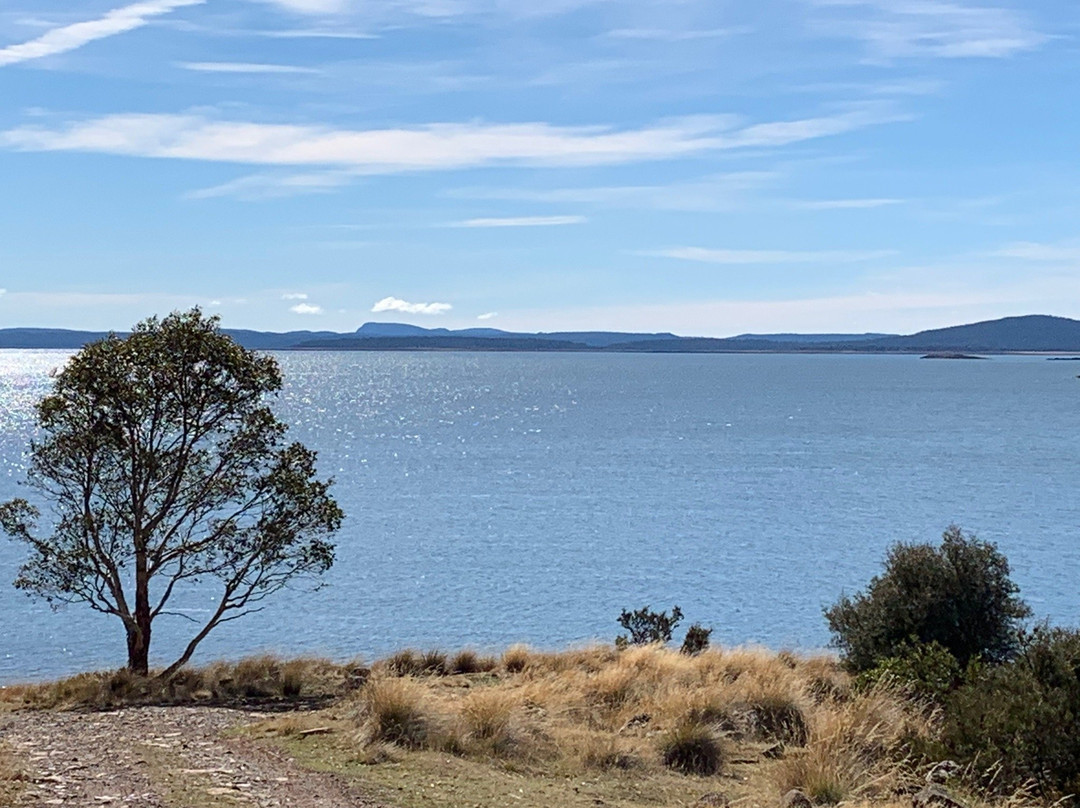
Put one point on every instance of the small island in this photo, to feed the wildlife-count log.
(950, 355)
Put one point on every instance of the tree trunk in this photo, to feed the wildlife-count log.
(139, 632)
(138, 645)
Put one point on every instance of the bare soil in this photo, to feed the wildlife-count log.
(161, 757)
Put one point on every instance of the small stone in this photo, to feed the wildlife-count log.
(934, 796)
(795, 799)
(943, 772)
(713, 798)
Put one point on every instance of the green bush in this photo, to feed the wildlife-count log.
(925, 671)
(958, 595)
(646, 626)
(1021, 719)
(696, 639)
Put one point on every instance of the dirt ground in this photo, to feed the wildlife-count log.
(160, 757)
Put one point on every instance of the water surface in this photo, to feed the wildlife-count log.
(496, 498)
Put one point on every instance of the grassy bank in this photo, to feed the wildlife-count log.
(636, 727)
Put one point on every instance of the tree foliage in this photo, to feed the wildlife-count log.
(161, 466)
(646, 626)
(958, 595)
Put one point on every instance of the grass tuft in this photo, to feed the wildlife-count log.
(692, 748)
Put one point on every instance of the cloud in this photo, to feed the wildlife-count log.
(244, 67)
(846, 204)
(769, 256)
(397, 304)
(487, 315)
(257, 187)
(306, 308)
(1034, 251)
(522, 221)
(718, 192)
(294, 296)
(440, 146)
(70, 37)
(667, 35)
(893, 29)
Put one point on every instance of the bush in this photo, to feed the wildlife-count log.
(924, 671)
(394, 713)
(692, 748)
(958, 595)
(1023, 716)
(646, 626)
(696, 640)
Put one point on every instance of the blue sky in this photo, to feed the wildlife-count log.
(697, 166)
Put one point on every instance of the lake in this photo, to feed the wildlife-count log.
(498, 498)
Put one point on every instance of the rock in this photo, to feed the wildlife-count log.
(934, 796)
(944, 771)
(713, 798)
(639, 720)
(795, 799)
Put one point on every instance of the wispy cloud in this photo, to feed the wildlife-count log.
(846, 204)
(294, 296)
(522, 221)
(257, 187)
(710, 256)
(1034, 251)
(673, 35)
(488, 315)
(70, 37)
(245, 67)
(713, 193)
(397, 304)
(893, 29)
(439, 146)
(306, 308)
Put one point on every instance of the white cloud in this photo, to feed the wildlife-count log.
(245, 67)
(256, 187)
(487, 315)
(438, 146)
(846, 204)
(948, 29)
(397, 304)
(669, 35)
(294, 296)
(70, 37)
(712, 193)
(1034, 251)
(522, 221)
(306, 308)
(709, 256)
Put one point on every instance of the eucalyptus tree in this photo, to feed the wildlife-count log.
(158, 465)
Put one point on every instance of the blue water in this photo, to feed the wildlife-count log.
(497, 498)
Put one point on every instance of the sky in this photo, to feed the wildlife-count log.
(706, 167)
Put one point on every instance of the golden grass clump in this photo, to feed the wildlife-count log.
(692, 748)
(392, 711)
(856, 750)
(516, 658)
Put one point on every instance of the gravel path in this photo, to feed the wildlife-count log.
(161, 757)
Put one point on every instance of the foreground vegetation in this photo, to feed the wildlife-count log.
(645, 725)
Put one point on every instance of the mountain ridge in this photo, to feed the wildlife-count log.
(1032, 333)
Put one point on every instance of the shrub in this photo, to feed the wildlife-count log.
(1023, 716)
(405, 663)
(646, 626)
(958, 595)
(433, 663)
(393, 712)
(696, 639)
(925, 671)
(692, 748)
(515, 658)
(465, 661)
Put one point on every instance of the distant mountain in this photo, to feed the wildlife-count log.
(596, 339)
(799, 339)
(1031, 333)
(1034, 332)
(439, 342)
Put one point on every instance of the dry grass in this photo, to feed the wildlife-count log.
(256, 679)
(12, 776)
